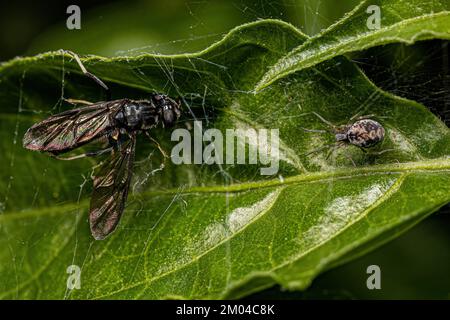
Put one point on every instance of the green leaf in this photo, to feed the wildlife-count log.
(401, 21)
(209, 231)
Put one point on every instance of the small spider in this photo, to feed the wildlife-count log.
(364, 133)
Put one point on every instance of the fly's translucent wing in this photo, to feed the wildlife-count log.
(111, 185)
(70, 129)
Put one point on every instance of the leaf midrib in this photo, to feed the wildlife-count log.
(431, 166)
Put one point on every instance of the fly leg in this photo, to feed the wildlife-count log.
(161, 150)
(76, 101)
(90, 75)
(83, 155)
(157, 145)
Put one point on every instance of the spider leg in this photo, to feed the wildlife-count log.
(379, 152)
(314, 130)
(320, 149)
(363, 150)
(324, 120)
(367, 116)
(332, 149)
(349, 157)
(338, 145)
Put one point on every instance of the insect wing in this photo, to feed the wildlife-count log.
(111, 185)
(70, 129)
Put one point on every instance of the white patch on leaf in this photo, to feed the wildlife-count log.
(213, 234)
(235, 221)
(428, 133)
(343, 210)
(401, 142)
(240, 217)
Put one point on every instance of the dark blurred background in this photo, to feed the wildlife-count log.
(417, 264)
(109, 27)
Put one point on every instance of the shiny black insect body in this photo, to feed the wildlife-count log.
(364, 133)
(117, 123)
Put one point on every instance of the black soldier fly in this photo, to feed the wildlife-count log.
(117, 123)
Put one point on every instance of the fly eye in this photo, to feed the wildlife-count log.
(168, 117)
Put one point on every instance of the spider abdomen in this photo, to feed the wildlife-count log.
(365, 133)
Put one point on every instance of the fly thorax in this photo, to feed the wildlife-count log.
(149, 120)
(131, 116)
(149, 116)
